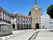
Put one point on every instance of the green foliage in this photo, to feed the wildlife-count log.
(50, 11)
(29, 13)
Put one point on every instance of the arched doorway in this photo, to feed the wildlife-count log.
(13, 26)
(37, 25)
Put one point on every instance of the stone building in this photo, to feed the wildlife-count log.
(5, 22)
(4, 16)
(36, 16)
(27, 22)
(19, 21)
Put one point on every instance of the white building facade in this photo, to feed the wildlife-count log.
(5, 23)
(4, 16)
(46, 22)
(20, 21)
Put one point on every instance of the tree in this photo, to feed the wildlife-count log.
(29, 13)
(50, 11)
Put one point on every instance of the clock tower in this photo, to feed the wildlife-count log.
(36, 16)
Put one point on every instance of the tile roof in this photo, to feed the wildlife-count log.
(20, 15)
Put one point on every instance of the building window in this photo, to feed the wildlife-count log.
(21, 18)
(0, 15)
(18, 18)
(12, 18)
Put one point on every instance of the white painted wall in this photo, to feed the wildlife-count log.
(46, 22)
(5, 16)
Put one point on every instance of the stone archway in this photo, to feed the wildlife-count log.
(37, 25)
(13, 26)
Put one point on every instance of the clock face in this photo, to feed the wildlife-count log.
(36, 8)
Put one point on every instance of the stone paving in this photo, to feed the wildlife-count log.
(22, 34)
(19, 35)
(45, 36)
(39, 34)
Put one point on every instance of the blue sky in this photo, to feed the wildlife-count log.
(23, 6)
